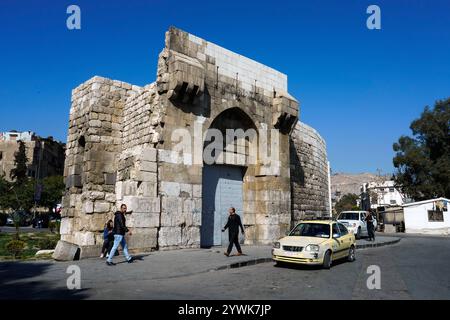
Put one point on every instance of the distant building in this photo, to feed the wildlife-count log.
(428, 217)
(375, 195)
(45, 155)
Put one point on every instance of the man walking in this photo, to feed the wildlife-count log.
(233, 225)
(119, 230)
(370, 227)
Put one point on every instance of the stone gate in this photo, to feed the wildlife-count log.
(146, 146)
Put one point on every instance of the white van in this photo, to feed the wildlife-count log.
(355, 221)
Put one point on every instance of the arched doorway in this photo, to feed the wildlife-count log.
(223, 181)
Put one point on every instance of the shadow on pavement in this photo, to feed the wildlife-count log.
(294, 266)
(12, 286)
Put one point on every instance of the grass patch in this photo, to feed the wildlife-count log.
(33, 241)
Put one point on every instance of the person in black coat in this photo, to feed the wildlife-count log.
(233, 225)
(370, 227)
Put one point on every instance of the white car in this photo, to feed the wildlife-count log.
(355, 221)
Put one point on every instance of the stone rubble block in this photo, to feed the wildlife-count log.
(88, 207)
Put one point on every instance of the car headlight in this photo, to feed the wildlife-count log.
(312, 248)
(276, 245)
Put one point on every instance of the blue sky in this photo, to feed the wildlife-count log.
(359, 88)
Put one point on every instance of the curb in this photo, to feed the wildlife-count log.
(243, 264)
(380, 244)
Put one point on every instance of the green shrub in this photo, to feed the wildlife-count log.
(15, 247)
(52, 226)
(47, 244)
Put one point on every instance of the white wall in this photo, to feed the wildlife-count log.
(231, 63)
(416, 220)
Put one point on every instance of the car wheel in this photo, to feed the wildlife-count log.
(358, 233)
(327, 260)
(279, 264)
(351, 254)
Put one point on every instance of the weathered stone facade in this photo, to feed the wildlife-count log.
(309, 174)
(123, 147)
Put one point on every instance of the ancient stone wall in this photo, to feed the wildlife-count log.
(93, 146)
(309, 173)
(123, 147)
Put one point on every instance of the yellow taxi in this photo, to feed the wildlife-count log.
(315, 242)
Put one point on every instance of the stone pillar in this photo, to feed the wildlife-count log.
(93, 146)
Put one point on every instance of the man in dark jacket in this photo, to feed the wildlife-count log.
(370, 227)
(233, 225)
(119, 230)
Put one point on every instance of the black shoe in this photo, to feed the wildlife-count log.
(110, 263)
(131, 260)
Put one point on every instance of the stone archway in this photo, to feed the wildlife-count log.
(224, 180)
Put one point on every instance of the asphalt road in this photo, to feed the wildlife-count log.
(415, 268)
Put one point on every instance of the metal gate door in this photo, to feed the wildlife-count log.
(222, 189)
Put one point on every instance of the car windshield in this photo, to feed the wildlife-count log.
(319, 230)
(349, 216)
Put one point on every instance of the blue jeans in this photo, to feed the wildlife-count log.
(119, 239)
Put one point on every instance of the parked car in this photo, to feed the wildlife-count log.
(315, 242)
(9, 221)
(24, 218)
(355, 221)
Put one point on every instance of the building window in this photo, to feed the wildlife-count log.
(391, 189)
(435, 216)
(393, 201)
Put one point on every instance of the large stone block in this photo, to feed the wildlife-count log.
(142, 204)
(102, 206)
(148, 154)
(171, 189)
(66, 251)
(142, 239)
(169, 236)
(83, 238)
(143, 220)
(190, 237)
(66, 226)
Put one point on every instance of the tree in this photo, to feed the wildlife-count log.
(52, 191)
(19, 172)
(423, 160)
(347, 202)
(5, 194)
